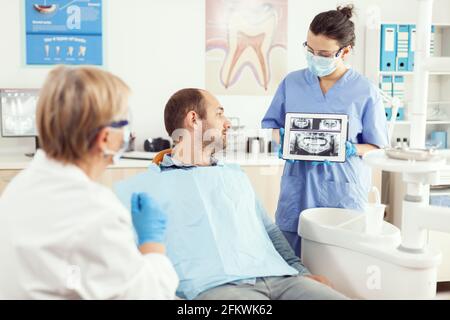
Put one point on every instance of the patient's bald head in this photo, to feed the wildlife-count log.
(188, 107)
(180, 104)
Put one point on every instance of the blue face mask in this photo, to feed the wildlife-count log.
(321, 66)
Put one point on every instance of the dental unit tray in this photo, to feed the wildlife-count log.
(412, 154)
(315, 137)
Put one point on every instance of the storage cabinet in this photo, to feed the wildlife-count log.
(5, 178)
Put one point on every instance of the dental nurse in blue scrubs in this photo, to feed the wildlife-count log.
(328, 86)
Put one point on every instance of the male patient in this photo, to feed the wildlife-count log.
(219, 238)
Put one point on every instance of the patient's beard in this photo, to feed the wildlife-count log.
(214, 141)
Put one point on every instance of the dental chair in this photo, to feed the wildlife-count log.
(160, 156)
(157, 160)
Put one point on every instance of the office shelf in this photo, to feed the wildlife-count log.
(439, 122)
(410, 73)
(399, 123)
(396, 73)
(407, 123)
(439, 80)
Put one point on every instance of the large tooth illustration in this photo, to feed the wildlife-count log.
(250, 37)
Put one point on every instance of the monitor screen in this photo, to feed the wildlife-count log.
(18, 112)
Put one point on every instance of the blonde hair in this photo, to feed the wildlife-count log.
(73, 105)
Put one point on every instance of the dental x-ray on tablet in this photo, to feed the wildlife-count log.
(315, 137)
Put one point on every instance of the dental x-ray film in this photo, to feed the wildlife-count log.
(315, 137)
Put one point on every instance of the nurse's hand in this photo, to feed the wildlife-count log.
(350, 150)
(149, 221)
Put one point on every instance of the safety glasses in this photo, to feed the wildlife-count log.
(322, 53)
(115, 125)
(118, 124)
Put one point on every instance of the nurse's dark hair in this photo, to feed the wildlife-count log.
(180, 104)
(336, 25)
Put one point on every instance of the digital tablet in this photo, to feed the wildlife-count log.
(315, 137)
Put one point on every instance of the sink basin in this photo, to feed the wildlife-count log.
(361, 265)
(342, 227)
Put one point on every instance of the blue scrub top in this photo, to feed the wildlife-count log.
(340, 185)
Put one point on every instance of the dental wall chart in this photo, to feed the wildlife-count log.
(315, 137)
(64, 32)
(246, 46)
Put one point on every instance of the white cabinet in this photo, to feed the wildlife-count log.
(5, 177)
(438, 120)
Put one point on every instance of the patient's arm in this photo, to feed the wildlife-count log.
(284, 249)
(279, 241)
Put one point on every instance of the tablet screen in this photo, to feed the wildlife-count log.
(315, 137)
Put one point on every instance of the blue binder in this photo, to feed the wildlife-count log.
(432, 45)
(388, 112)
(400, 114)
(388, 52)
(386, 85)
(412, 46)
(398, 87)
(403, 47)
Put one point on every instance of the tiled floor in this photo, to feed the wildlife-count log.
(443, 291)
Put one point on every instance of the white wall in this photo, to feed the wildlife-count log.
(158, 48)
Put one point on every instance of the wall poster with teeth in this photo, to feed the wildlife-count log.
(246, 46)
(315, 137)
(64, 32)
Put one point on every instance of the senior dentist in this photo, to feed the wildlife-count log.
(63, 235)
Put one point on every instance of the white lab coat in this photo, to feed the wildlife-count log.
(64, 236)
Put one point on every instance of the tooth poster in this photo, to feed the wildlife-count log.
(246, 44)
(64, 32)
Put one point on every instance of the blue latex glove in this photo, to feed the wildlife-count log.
(149, 221)
(280, 147)
(350, 150)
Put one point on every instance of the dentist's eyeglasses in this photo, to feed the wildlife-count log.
(118, 124)
(322, 53)
(115, 124)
